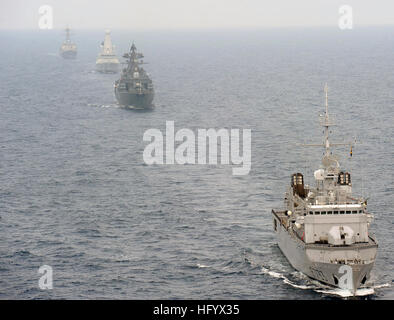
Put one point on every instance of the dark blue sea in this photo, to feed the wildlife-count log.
(75, 193)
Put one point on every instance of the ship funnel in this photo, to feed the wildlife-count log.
(297, 182)
(344, 178)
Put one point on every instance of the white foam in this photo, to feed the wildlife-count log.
(272, 273)
(322, 288)
(103, 105)
(285, 280)
(345, 293)
(359, 293)
(385, 285)
(298, 286)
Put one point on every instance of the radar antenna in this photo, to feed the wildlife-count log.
(327, 121)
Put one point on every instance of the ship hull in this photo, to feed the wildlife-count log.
(134, 100)
(69, 54)
(313, 260)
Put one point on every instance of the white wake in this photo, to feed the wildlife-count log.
(325, 289)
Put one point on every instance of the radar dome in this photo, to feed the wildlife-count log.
(319, 174)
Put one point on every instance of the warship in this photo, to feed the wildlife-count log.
(107, 62)
(323, 230)
(134, 88)
(68, 50)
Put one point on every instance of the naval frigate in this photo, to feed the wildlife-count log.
(323, 230)
(68, 49)
(134, 88)
(107, 62)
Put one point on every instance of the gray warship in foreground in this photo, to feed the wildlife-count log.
(134, 88)
(68, 50)
(323, 230)
(107, 62)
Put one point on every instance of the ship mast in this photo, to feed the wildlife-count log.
(327, 121)
(133, 58)
(68, 34)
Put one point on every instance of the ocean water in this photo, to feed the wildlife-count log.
(75, 193)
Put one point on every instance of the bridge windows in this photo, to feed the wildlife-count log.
(333, 212)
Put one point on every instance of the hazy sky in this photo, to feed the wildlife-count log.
(184, 14)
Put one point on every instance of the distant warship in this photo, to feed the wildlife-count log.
(107, 61)
(134, 88)
(323, 231)
(68, 50)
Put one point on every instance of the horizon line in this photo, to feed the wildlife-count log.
(226, 28)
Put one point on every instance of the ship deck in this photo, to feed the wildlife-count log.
(285, 219)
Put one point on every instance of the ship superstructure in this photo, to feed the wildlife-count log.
(68, 49)
(107, 62)
(324, 230)
(134, 88)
